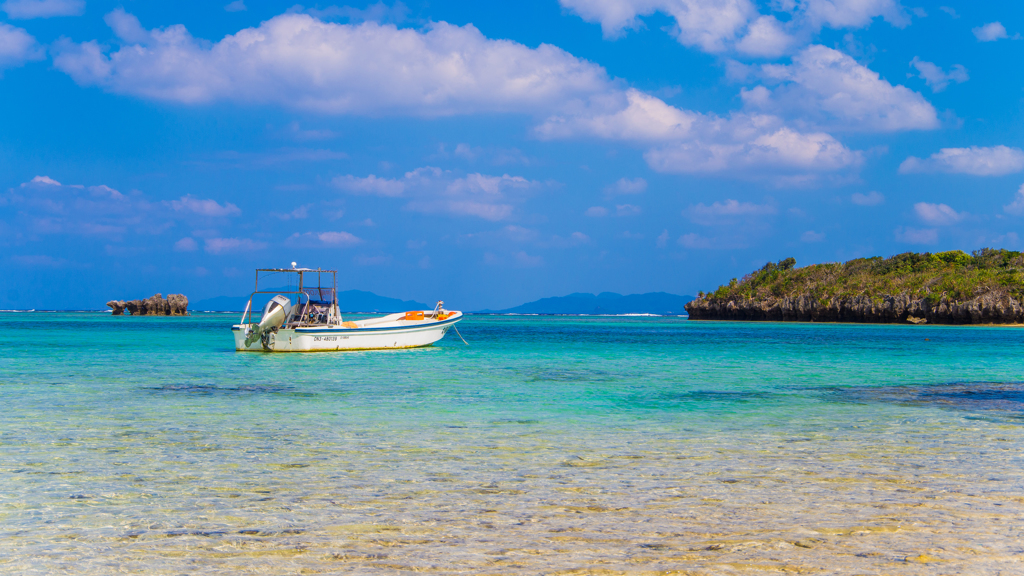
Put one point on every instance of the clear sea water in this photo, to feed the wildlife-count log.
(548, 445)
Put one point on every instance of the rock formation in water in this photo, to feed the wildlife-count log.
(156, 305)
(946, 288)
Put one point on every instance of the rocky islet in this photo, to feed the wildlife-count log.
(156, 305)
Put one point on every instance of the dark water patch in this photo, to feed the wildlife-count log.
(514, 421)
(1004, 397)
(214, 390)
(205, 533)
(568, 375)
(730, 396)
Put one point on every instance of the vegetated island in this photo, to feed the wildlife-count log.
(985, 287)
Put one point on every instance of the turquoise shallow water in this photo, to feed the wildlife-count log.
(548, 445)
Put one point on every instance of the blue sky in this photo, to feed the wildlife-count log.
(490, 154)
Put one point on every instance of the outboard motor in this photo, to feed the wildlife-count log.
(275, 313)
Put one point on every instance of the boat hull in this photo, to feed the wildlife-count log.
(331, 339)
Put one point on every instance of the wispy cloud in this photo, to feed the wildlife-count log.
(26, 9)
(872, 198)
(206, 207)
(232, 245)
(730, 208)
(432, 190)
(917, 236)
(937, 214)
(936, 78)
(976, 161)
(1017, 206)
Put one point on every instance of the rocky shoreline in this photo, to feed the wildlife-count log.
(990, 308)
(156, 305)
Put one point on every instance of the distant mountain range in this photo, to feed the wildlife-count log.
(578, 303)
(348, 301)
(603, 303)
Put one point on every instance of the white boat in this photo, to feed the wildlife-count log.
(313, 322)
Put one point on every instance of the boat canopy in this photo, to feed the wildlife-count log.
(315, 292)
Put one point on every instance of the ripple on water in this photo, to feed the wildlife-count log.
(551, 445)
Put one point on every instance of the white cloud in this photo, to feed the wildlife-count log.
(854, 13)
(824, 87)
(936, 78)
(916, 236)
(45, 206)
(104, 191)
(781, 150)
(295, 132)
(338, 238)
(691, 142)
(207, 207)
(372, 260)
(695, 241)
(297, 61)
(596, 211)
(1008, 239)
(379, 12)
(524, 260)
(627, 210)
(767, 38)
(44, 261)
(870, 199)
(812, 236)
(44, 180)
(17, 47)
(25, 9)
(662, 239)
(186, 245)
(627, 186)
(432, 190)
(630, 116)
(370, 185)
(976, 160)
(707, 24)
(236, 6)
(730, 208)
(1017, 206)
(990, 32)
(316, 239)
(949, 11)
(937, 214)
(466, 151)
(298, 214)
(720, 25)
(230, 245)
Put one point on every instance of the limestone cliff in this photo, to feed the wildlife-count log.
(156, 305)
(945, 288)
(991, 308)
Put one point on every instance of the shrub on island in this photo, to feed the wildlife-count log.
(985, 287)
